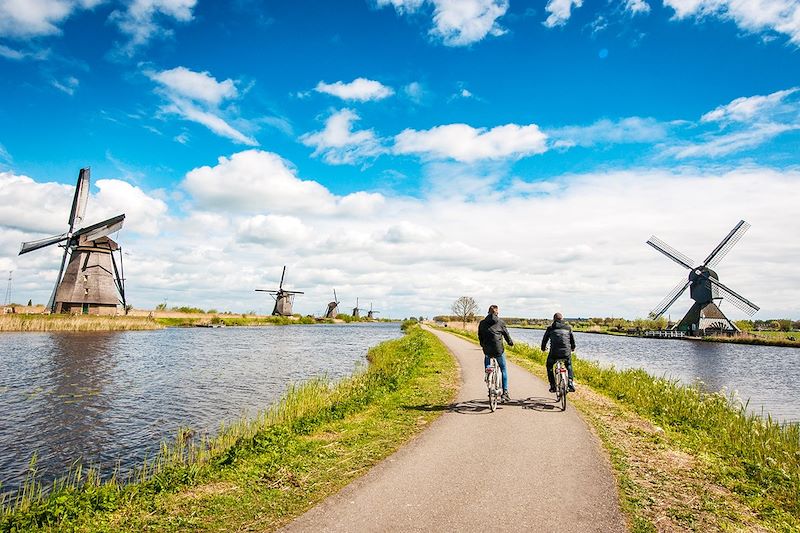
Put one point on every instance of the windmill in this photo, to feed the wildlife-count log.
(9, 298)
(704, 287)
(283, 299)
(371, 314)
(333, 307)
(356, 310)
(92, 283)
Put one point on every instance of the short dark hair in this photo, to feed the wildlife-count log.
(558, 316)
(492, 309)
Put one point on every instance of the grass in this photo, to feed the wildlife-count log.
(258, 474)
(686, 459)
(38, 322)
(237, 321)
(762, 338)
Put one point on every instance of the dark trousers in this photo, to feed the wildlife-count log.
(552, 361)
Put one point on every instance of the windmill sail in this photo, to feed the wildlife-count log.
(101, 229)
(41, 243)
(727, 243)
(80, 199)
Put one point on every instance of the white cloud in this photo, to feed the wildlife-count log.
(196, 96)
(605, 131)
(560, 11)
(720, 145)
(457, 22)
(273, 229)
(200, 86)
(569, 246)
(68, 85)
(140, 20)
(749, 108)
(338, 144)
(636, 7)
(32, 18)
(414, 91)
(360, 90)
(781, 16)
(464, 143)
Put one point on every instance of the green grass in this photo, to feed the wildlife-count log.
(238, 321)
(756, 458)
(259, 474)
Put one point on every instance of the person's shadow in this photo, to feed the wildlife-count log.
(481, 406)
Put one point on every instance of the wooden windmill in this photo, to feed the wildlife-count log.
(371, 314)
(333, 307)
(92, 283)
(356, 310)
(283, 298)
(704, 287)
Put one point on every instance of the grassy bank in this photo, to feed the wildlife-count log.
(190, 321)
(21, 322)
(686, 459)
(257, 475)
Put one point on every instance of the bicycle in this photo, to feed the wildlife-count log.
(494, 384)
(562, 383)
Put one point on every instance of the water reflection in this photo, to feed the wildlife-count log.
(109, 397)
(766, 375)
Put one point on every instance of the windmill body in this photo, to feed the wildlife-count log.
(333, 307)
(283, 299)
(356, 310)
(704, 287)
(371, 313)
(92, 282)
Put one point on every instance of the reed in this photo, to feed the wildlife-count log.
(754, 456)
(81, 498)
(21, 322)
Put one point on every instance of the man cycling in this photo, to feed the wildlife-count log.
(562, 344)
(491, 332)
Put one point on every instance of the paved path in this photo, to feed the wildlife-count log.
(526, 467)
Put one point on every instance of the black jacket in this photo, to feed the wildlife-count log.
(491, 332)
(562, 343)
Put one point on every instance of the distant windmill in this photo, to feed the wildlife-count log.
(333, 307)
(92, 283)
(283, 299)
(356, 310)
(705, 287)
(371, 313)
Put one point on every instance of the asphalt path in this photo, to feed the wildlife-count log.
(526, 467)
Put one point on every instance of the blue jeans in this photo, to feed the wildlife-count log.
(501, 361)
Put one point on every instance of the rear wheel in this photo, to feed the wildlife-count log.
(493, 381)
(563, 392)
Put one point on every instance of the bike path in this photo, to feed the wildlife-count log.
(526, 467)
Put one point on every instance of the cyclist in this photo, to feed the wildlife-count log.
(562, 344)
(491, 332)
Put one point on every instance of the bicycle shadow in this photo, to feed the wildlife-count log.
(481, 406)
(540, 404)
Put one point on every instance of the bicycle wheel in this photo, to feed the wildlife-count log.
(563, 387)
(493, 387)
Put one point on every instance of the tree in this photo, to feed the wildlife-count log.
(464, 308)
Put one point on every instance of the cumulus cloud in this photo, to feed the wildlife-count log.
(636, 7)
(560, 11)
(140, 20)
(196, 96)
(457, 22)
(567, 243)
(780, 16)
(465, 143)
(339, 144)
(360, 90)
(32, 18)
(752, 108)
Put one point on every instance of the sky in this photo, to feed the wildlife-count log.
(407, 152)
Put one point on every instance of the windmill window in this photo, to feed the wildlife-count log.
(85, 278)
(85, 291)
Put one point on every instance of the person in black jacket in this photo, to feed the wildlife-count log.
(562, 344)
(491, 332)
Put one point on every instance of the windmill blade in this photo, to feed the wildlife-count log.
(671, 252)
(735, 298)
(670, 298)
(727, 243)
(41, 243)
(80, 198)
(292, 292)
(335, 299)
(267, 290)
(280, 286)
(101, 229)
(52, 302)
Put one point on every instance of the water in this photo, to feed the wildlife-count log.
(767, 375)
(107, 397)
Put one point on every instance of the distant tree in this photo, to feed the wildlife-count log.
(30, 303)
(784, 325)
(464, 308)
(128, 308)
(745, 325)
(161, 307)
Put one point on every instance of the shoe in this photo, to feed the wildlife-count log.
(571, 388)
(505, 397)
(552, 388)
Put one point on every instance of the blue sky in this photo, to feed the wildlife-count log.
(410, 151)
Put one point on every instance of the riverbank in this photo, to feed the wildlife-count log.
(685, 459)
(259, 474)
(40, 322)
